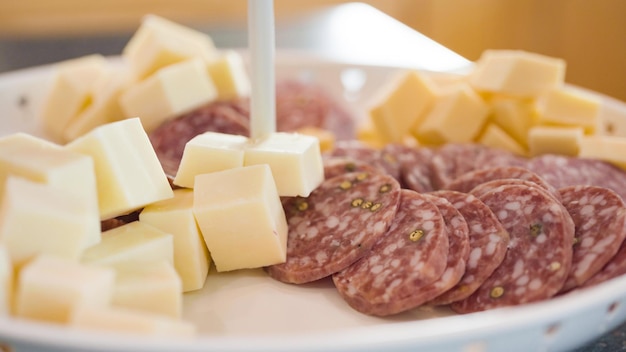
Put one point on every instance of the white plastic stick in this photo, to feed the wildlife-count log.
(262, 51)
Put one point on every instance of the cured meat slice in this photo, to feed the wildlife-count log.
(357, 150)
(614, 268)
(599, 216)
(336, 225)
(415, 169)
(488, 241)
(488, 186)
(335, 166)
(540, 249)
(411, 255)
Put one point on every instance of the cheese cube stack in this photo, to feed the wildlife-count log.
(241, 217)
(6, 282)
(175, 216)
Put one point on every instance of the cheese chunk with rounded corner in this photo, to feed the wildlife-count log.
(158, 43)
(169, 92)
(209, 152)
(51, 289)
(175, 216)
(608, 148)
(555, 140)
(154, 288)
(408, 97)
(457, 116)
(132, 244)
(128, 173)
(495, 137)
(6, 282)
(295, 160)
(517, 73)
(130, 321)
(229, 75)
(569, 107)
(241, 217)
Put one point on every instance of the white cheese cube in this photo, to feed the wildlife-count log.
(130, 321)
(132, 244)
(50, 289)
(159, 42)
(209, 152)
(295, 161)
(6, 282)
(495, 137)
(608, 148)
(555, 140)
(36, 218)
(175, 216)
(241, 217)
(518, 73)
(229, 75)
(569, 107)
(128, 173)
(402, 105)
(154, 288)
(169, 92)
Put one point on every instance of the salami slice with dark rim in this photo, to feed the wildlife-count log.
(336, 225)
(599, 216)
(488, 241)
(539, 257)
(411, 255)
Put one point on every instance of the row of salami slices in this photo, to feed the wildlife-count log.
(461, 225)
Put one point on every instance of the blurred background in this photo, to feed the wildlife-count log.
(589, 34)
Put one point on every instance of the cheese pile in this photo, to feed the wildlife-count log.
(511, 99)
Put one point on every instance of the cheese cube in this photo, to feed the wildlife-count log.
(132, 244)
(399, 110)
(6, 282)
(612, 119)
(514, 116)
(130, 321)
(229, 75)
(569, 107)
(555, 140)
(326, 138)
(495, 137)
(209, 152)
(518, 73)
(50, 289)
(295, 161)
(70, 92)
(241, 217)
(36, 218)
(175, 216)
(457, 117)
(608, 148)
(367, 133)
(154, 288)
(40, 161)
(128, 173)
(169, 92)
(159, 42)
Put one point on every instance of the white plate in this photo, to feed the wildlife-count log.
(247, 311)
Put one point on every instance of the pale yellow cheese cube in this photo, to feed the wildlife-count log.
(399, 109)
(6, 282)
(569, 107)
(159, 42)
(555, 140)
(612, 119)
(495, 137)
(513, 115)
(517, 73)
(368, 134)
(325, 137)
(37, 218)
(295, 161)
(241, 217)
(457, 116)
(128, 173)
(69, 92)
(130, 321)
(608, 148)
(175, 216)
(132, 244)
(169, 92)
(209, 152)
(50, 288)
(229, 75)
(154, 288)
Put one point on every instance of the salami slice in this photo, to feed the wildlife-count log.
(488, 241)
(381, 159)
(540, 250)
(614, 268)
(599, 216)
(411, 255)
(488, 186)
(335, 166)
(336, 225)
(415, 169)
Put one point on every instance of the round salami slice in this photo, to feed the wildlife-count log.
(488, 241)
(411, 255)
(415, 169)
(357, 150)
(540, 249)
(614, 268)
(488, 186)
(336, 225)
(599, 216)
(335, 166)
